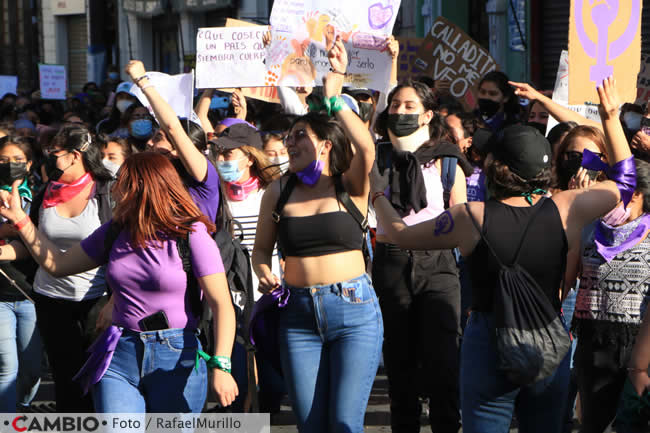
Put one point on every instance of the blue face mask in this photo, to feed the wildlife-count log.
(141, 128)
(229, 170)
(114, 76)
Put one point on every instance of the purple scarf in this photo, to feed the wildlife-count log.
(263, 329)
(101, 354)
(611, 241)
(623, 173)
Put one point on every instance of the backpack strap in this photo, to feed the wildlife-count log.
(192, 286)
(448, 177)
(343, 196)
(284, 197)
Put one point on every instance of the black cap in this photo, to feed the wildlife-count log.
(358, 91)
(523, 148)
(237, 135)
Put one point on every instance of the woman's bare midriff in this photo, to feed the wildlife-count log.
(323, 270)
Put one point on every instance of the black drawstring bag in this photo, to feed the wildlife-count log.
(531, 340)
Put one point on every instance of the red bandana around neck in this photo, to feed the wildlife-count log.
(240, 191)
(58, 192)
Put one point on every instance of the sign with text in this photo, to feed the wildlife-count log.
(177, 90)
(604, 40)
(8, 84)
(54, 81)
(408, 50)
(561, 94)
(68, 7)
(449, 54)
(230, 57)
(303, 31)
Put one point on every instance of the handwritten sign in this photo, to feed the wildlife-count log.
(448, 53)
(304, 30)
(604, 40)
(561, 94)
(54, 81)
(408, 50)
(8, 84)
(230, 57)
(177, 90)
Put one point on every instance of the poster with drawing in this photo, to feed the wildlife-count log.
(304, 30)
(408, 50)
(604, 40)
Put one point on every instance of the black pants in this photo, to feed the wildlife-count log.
(421, 310)
(67, 329)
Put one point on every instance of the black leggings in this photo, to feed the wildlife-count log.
(421, 311)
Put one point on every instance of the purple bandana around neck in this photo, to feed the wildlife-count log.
(611, 241)
(310, 174)
(623, 173)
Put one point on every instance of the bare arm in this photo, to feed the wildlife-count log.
(640, 358)
(202, 108)
(192, 158)
(559, 112)
(265, 237)
(15, 250)
(392, 46)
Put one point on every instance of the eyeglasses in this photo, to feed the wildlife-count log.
(295, 136)
(572, 154)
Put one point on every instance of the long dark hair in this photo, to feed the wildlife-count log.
(77, 137)
(643, 182)
(26, 146)
(328, 128)
(195, 133)
(511, 106)
(425, 95)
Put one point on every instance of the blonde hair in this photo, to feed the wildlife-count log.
(262, 167)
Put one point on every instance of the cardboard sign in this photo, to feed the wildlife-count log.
(304, 31)
(561, 94)
(8, 84)
(604, 40)
(408, 50)
(177, 90)
(54, 81)
(448, 53)
(230, 57)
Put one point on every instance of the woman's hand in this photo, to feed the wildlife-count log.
(10, 204)
(581, 180)
(224, 386)
(338, 57)
(266, 38)
(526, 91)
(640, 381)
(105, 317)
(641, 142)
(392, 46)
(609, 100)
(239, 104)
(268, 283)
(135, 69)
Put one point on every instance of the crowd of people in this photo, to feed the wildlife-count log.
(385, 226)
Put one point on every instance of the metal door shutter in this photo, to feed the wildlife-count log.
(77, 52)
(554, 38)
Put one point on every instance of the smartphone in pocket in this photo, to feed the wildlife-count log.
(154, 322)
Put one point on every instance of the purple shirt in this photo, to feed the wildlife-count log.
(147, 280)
(476, 185)
(206, 194)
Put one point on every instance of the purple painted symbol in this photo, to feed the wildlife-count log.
(379, 16)
(603, 14)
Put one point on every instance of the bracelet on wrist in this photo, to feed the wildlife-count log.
(22, 223)
(336, 72)
(219, 362)
(137, 80)
(146, 86)
(375, 196)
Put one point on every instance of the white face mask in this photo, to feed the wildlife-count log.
(281, 161)
(111, 166)
(123, 104)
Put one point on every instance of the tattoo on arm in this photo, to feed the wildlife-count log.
(444, 224)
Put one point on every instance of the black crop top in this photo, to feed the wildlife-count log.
(543, 253)
(319, 235)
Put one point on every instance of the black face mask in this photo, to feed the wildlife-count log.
(51, 170)
(488, 107)
(11, 172)
(539, 126)
(365, 111)
(403, 124)
(567, 169)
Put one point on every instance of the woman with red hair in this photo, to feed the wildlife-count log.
(145, 362)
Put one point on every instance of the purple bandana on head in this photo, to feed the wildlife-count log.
(310, 174)
(611, 241)
(623, 173)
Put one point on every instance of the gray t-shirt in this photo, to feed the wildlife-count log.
(65, 233)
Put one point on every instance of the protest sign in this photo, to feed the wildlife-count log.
(449, 54)
(408, 49)
(304, 30)
(561, 94)
(643, 81)
(604, 40)
(177, 90)
(230, 57)
(266, 94)
(8, 84)
(54, 81)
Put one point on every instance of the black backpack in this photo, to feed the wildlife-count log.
(531, 340)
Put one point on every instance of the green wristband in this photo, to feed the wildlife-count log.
(218, 362)
(333, 105)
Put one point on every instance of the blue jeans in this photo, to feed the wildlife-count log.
(330, 340)
(153, 372)
(488, 398)
(20, 355)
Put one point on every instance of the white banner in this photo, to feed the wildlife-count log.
(54, 81)
(304, 30)
(8, 84)
(230, 57)
(177, 90)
